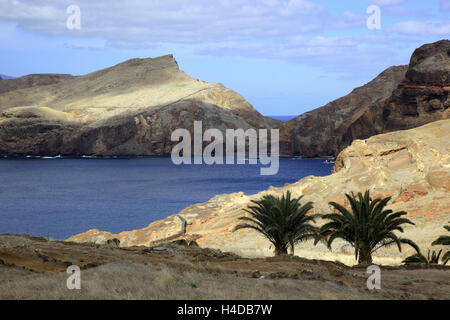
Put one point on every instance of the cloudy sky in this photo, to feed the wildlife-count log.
(285, 56)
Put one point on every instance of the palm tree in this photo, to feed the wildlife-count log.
(282, 220)
(367, 226)
(420, 258)
(445, 241)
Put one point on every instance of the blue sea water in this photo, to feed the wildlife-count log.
(62, 197)
(283, 118)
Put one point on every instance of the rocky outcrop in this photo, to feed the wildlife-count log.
(401, 97)
(128, 109)
(411, 166)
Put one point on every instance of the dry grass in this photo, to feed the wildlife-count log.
(34, 268)
(126, 280)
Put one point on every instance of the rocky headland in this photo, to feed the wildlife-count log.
(401, 97)
(129, 109)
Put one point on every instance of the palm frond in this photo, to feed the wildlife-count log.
(366, 225)
(282, 220)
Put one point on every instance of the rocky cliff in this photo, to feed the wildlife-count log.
(128, 109)
(422, 97)
(400, 97)
(412, 166)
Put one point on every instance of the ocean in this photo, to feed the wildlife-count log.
(58, 198)
(283, 118)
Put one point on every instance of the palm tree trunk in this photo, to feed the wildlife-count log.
(280, 250)
(364, 257)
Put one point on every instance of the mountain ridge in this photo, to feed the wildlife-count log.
(127, 109)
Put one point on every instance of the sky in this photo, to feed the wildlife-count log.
(285, 57)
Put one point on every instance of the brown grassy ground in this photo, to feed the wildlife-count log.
(34, 268)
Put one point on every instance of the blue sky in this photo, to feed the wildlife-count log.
(284, 56)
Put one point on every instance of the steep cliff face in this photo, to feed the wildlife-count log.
(322, 132)
(401, 97)
(128, 109)
(423, 96)
(412, 166)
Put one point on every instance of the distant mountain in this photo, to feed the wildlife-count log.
(5, 77)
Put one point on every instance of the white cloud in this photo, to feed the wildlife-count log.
(270, 29)
(422, 28)
(382, 3)
(349, 55)
(181, 21)
(143, 24)
(350, 20)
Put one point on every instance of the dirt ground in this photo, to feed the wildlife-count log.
(35, 268)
